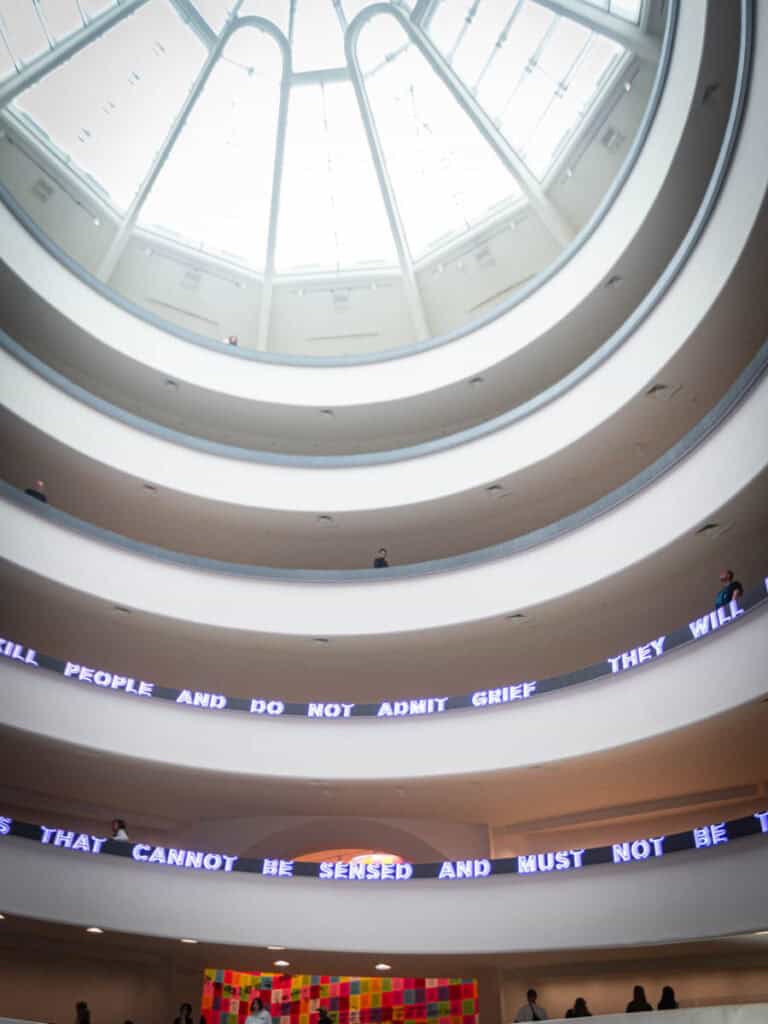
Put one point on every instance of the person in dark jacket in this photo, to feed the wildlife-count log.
(185, 1014)
(731, 589)
(38, 491)
(639, 1003)
(667, 1001)
(579, 1009)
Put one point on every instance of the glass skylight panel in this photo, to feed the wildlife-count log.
(446, 178)
(61, 17)
(318, 40)
(22, 30)
(215, 189)
(109, 108)
(629, 10)
(332, 214)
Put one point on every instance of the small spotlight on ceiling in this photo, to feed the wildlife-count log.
(95, 931)
(627, 86)
(275, 949)
(282, 963)
(189, 942)
(383, 967)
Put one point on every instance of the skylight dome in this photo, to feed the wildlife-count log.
(306, 138)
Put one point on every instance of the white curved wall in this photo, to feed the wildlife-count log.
(424, 372)
(683, 687)
(719, 469)
(692, 895)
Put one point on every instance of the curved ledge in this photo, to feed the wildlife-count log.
(464, 589)
(663, 900)
(600, 715)
(343, 388)
(272, 707)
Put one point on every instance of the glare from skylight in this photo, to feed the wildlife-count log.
(445, 176)
(332, 214)
(215, 190)
(138, 74)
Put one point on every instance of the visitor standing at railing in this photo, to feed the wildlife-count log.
(731, 589)
(531, 1010)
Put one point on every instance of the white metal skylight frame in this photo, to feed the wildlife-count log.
(98, 16)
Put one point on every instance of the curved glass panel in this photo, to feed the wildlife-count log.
(134, 77)
(214, 191)
(435, 156)
(332, 215)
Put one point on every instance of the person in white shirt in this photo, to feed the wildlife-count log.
(120, 831)
(531, 1010)
(258, 1014)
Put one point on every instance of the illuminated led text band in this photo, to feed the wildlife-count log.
(653, 649)
(558, 861)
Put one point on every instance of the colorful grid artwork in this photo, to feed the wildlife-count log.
(296, 999)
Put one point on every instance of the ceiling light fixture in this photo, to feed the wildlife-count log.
(2, 917)
(383, 967)
(325, 519)
(320, 640)
(614, 281)
(276, 949)
(189, 942)
(95, 931)
(282, 963)
(476, 380)
(121, 609)
(494, 488)
(172, 385)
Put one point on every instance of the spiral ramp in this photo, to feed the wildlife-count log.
(194, 638)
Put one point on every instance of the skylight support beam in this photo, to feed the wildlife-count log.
(644, 46)
(64, 51)
(267, 288)
(552, 219)
(412, 293)
(190, 14)
(423, 11)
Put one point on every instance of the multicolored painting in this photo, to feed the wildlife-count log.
(296, 999)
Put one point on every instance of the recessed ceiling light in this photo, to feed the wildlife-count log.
(514, 617)
(325, 519)
(275, 949)
(320, 640)
(96, 222)
(383, 967)
(627, 86)
(189, 942)
(476, 380)
(282, 963)
(2, 917)
(95, 931)
(326, 412)
(121, 609)
(494, 489)
(151, 488)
